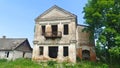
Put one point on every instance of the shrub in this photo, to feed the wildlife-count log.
(115, 54)
(78, 59)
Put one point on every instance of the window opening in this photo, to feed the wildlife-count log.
(43, 30)
(41, 50)
(7, 54)
(65, 51)
(54, 29)
(66, 29)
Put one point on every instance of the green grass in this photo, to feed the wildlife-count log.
(27, 63)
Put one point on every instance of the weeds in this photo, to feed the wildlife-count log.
(27, 63)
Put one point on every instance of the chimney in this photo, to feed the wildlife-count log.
(4, 37)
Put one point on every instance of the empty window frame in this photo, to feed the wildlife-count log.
(41, 50)
(54, 29)
(66, 29)
(43, 30)
(23, 54)
(7, 54)
(65, 51)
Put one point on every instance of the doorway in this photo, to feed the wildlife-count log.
(53, 51)
(54, 29)
(86, 54)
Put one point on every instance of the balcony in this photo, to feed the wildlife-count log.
(53, 34)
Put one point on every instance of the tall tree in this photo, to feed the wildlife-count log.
(103, 18)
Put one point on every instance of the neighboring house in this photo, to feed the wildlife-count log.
(58, 37)
(13, 48)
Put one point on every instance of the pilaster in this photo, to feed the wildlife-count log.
(60, 53)
(72, 51)
(45, 51)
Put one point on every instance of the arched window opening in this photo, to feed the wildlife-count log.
(86, 55)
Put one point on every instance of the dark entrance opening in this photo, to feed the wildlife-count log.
(53, 51)
(23, 54)
(7, 54)
(86, 54)
(54, 29)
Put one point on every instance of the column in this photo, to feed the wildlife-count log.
(48, 28)
(60, 53)
(35, 31)
(72, 51)
(39, 30)
(60, 28)
(45, 48)
(35, 50)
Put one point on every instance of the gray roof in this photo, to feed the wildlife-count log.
(10, 43)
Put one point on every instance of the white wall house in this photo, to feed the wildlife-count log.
(13, 48)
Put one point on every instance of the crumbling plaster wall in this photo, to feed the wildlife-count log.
(59, 17)
(60, 58)
(64, 39)
(14, 55)
(84, 43)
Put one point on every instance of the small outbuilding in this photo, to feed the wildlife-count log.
(13, 48)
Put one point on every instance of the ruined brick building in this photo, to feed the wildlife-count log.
(58, 37)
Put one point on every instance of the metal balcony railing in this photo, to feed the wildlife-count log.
(53, 34)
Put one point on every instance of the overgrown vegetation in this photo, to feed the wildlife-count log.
(103, 19)
(27, 63)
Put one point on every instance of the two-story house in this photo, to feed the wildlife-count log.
(56, 37)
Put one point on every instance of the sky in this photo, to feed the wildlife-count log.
(17, 16)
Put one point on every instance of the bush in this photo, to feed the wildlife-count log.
(115, 55)
(78, 59)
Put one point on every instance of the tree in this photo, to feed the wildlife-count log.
(103, 18)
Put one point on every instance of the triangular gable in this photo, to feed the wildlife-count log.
(24, 46)
(55, 12)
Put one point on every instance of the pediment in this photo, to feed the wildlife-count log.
(55, 12)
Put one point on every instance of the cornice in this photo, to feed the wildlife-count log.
(54, 19)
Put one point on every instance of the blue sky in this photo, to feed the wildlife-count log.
(17, 16)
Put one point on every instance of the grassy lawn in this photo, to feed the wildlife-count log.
(27, 63)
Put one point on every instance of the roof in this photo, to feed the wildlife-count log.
(57, 9)
(10, 43)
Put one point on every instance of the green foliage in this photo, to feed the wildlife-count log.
(115, 55)
(3, 60)
(78, 59)
(19, 63)
(27, 63)
(115, 51)
(103, 18)
(51, 63)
